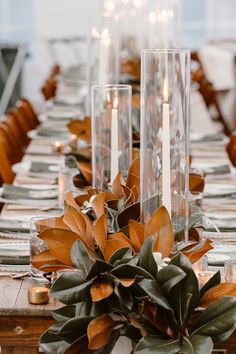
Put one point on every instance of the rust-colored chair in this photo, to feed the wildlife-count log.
(49, 88)
(6, 173)
(21, 123)
(28, 112)
(16, 129)
(13, 149)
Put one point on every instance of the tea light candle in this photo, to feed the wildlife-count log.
(58, 147)
(38, 295)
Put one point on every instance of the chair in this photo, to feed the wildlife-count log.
(208, 93)
(6, 173)
(27, 110)
(49, 88)
(13, 149)
(16, 121)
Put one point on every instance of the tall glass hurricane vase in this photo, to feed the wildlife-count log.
(111, 132)
(165, 80)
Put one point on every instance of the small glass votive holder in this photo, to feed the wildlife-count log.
(230, 271)
(203, 277)
(201, 265)
(65, 184)
(37, 246)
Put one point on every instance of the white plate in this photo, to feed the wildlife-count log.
(219, 190)
(216, 258)
(33, 134)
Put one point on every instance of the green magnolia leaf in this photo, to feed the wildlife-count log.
(197, 345)
(130, 332)
(99, 267)
(52, 343)
(213, 281)
(80, 345)
(71, 287)
(124, 295)
(169, 276)
(146, 259)
(217, 319)
(80, 257)
(120, 254)
(154, 345)
(63, 314)
(153, 290)
(77, 325)
(110, 346)
(130, 271)
(184, 297)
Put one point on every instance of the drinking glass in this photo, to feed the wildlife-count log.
(37, 225)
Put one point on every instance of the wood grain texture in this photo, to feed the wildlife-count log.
(19, 331)
(19, 350)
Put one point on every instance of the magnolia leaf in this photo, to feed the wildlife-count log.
(213, 281)
(81, 128)
(127, 282)
(80, 224)
(153, 290)
(98, 268)
(154, 345)
(170, 276)
(146, 259)
(60, 243)
(128, 194)
(195, 251)
(86, 170)
(130, 271)
(79, 346)
(64, 313)
(136, 234)
(100, 232)
(100, 290)
(80, 257)
(217, 319)
(200, 344)
(99, 331)
(116, 186)
(81, 199)
(98, 204)
(112, 246)
(44, 224)
(71, 201)
(120, 254)
(49, 268)
(217, 292)
(160, 225)
(108, 349)
(43, 258)
(132, 212)
(119, 236)
(196, 183)
(133, 182)
(135, 167)
(52, 343)
(71, 288)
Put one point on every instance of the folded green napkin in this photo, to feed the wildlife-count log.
(47, 132)
(209, 138)
(37, 166)
(17, 192)
(217, 170)
(9, 225)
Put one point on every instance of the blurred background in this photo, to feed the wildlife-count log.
(59, 31)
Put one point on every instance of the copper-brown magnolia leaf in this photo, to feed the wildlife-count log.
(112, 246)
(196, 183)
(71, 201)
(98, 204)
(99, 331)
(129, 194)
(126, 282)
(217, 292)
(80, 224)
(81, 199)
(86, 169)
(79, 346)
(133, 182)
(131, 212)
(100, 231)
(136, 235)
(135, 167)
(100, 290)
(45, 257)
(60, 242)
(81, 128)
(116, 186)
(160, 225)
(195, 251)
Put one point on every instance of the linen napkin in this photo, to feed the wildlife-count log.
(38, 166)
(47, 132)
(18, 192)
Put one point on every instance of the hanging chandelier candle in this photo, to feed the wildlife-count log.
(165, 81)
(111, 132)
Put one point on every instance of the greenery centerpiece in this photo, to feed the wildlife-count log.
(126, 278)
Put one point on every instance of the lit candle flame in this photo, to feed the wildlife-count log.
(165, 90)
(115, 103)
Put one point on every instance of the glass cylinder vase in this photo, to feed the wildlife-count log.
(165, 81)
(111, 133)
